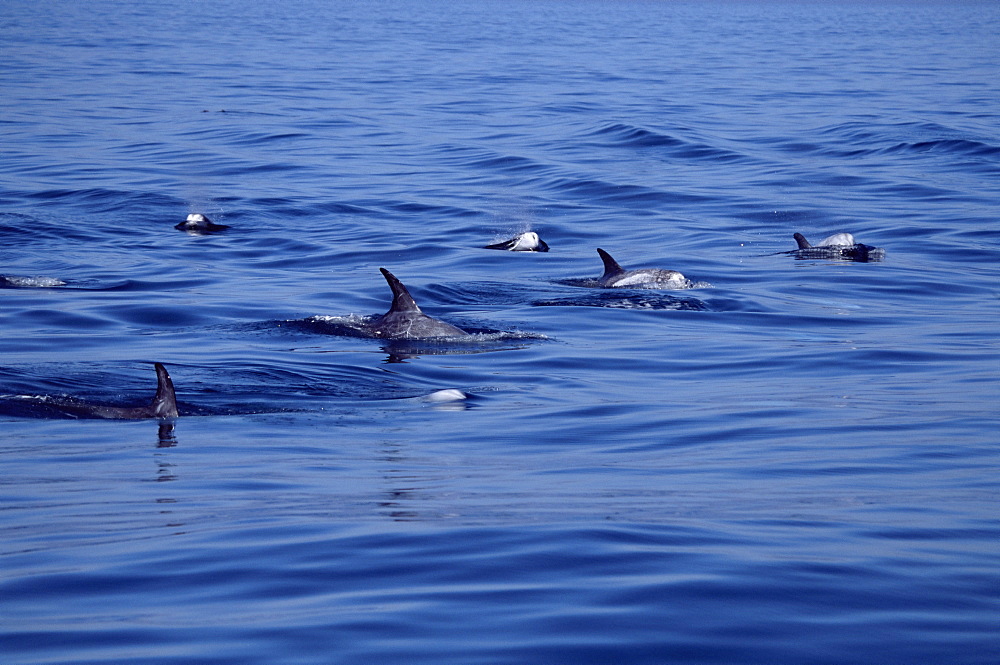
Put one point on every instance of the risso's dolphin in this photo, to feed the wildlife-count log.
(404, 320)
(837, 246)
(13, 282)
(164, 404)
(198, 223)
(526, 242)
(617, 277)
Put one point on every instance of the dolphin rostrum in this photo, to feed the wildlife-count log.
(616, 277)
(404, 318)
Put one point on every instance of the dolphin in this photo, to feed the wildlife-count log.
(12, 282)
(617, 277)
(446, 395)
(526, 242)
(837, 246)
(405, 320)
(164, 404)
(197, 223)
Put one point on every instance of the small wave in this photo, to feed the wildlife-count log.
(948, 146)
(508, 164)
(427, 209)
(854, 139)
(628, 136)
(480, 294)
(599, 191)
(260, 138)
(103, 200)
(633, 301)
(635, 137)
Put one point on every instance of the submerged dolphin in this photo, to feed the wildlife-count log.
(164, 404)
(404, 318)
(616, 277)
(837, 246)
(197, 223)
(12, 281)
(526, 242)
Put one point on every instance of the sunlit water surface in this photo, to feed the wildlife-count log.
(794, 462)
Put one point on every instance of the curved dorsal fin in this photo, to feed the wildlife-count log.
(402, 301)
(801, 239)
(164, 404)
(611, 266)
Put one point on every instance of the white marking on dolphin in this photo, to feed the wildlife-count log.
(526, 242)
(405, 320)
(836, 240)
(617, 277)
(197, 224)
(164, 404)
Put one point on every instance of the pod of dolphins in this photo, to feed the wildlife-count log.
(405, 320)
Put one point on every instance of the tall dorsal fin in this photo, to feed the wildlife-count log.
(164, 404)
(801, 239)
(402, 301)
(611, 266)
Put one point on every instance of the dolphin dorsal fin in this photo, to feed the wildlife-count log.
(801, 239)
(164, 404)
(402, 301)
(611, 267)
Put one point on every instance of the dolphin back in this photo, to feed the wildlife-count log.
(801, 240)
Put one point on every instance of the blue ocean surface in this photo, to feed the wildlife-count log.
(796, 461)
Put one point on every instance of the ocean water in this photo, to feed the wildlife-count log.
(795, 462)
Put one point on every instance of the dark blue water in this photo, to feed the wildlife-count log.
(796, 462)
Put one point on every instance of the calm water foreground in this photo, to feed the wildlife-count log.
(795, 462)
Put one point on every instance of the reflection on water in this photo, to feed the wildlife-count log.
(166, 435)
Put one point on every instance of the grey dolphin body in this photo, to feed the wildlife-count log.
(164, 404)
(526, 242)
(196, 223)
(404, 319)
(617, 277)
(837, 246)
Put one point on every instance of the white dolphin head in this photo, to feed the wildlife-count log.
(446, 395)
(197, 219)
(526, 242)
(836, 240)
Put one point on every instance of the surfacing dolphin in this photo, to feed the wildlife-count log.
(617, 277)
(404, 320)
(837, 246)
(164, 404)
(197, 224)
(526, 242)
(14, 282)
